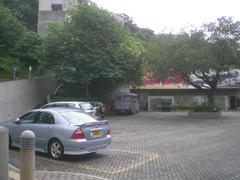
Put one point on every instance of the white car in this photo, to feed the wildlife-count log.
(84, 106)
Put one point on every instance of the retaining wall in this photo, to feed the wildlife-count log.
(17, 97)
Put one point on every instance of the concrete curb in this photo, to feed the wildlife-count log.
(65, 176)
(53, 175)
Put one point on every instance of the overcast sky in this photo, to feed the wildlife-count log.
(172, 15)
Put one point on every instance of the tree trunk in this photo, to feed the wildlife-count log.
(54, 93)
(87, 91)
(210, 96)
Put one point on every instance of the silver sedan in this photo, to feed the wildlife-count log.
(61, 131)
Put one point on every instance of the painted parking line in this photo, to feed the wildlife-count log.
(13, 175)
(148, 157)
(75, 175)
(139, 163)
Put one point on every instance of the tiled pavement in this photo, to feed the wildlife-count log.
(156, 145)
(53, 175)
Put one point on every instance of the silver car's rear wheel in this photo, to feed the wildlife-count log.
(55, 149)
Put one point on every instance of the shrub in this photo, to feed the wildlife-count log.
(182, 107)
(205, 108)
(197, 108)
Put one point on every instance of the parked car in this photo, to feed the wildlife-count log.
(61, 131)
(84, 106)
(126, 102)
(100, 109)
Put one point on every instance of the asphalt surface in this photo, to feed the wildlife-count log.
(155, 146)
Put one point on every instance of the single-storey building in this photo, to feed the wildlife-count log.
(156, 99)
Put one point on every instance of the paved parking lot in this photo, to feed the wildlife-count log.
(158, 145)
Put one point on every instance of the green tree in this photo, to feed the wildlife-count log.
(203, 55)
(25, 10)
(93, 52)
(27, 51)
(145, 35)
(11, 31)
(18, 46)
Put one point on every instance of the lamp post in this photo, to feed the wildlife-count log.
(14, 68)
(30, 72)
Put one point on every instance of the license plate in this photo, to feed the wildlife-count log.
(96, 133)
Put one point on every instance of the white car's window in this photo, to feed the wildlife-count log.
(77, 117)
(72, 105)
(86, 106)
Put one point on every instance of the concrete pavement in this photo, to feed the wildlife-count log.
(156, 146)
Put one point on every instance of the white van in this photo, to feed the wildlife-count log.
(125, 102)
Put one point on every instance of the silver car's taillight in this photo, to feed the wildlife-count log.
(78, 134)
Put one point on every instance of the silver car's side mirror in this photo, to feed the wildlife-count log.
(17, 121)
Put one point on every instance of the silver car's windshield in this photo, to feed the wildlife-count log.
(77, 117)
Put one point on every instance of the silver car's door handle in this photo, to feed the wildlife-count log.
(49, 127)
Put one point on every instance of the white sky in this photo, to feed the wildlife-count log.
(172, 15)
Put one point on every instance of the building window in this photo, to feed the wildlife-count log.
(160, 103)
(57, 5)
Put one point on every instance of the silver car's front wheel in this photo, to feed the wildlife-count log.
(55, 149)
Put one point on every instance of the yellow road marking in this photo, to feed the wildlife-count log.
(14, 175)
(135, 165)
(149, 157)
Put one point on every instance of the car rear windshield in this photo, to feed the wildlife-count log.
(86, 106)
(123, 98)
(60, 105)
(77, 117)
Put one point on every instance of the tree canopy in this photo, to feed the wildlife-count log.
(25, 10)
(93, 52)
(204, 54)
(17, 44)
(10, 32)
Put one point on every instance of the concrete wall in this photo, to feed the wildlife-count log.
(17, 97)
(45, 5)
(46, 15)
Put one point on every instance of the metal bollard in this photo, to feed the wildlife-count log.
(27, 155)
(4, 153)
